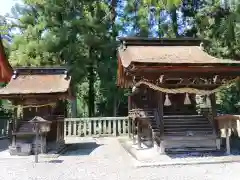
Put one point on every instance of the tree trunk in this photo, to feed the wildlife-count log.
(114, 106)
(114, 35)
(74, 108)
(173, 13)
(91, 90)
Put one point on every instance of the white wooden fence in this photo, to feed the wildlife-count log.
(97, 126)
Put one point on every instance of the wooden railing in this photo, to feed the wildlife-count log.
(143, 113)
(97, 126)
(4, 122)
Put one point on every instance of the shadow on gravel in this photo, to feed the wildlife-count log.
(56, 161)
(4, 143)
(81, 149)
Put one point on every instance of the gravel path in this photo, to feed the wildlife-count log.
(108, 162)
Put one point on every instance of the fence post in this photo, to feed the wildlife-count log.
(129, 127)
(115, 127)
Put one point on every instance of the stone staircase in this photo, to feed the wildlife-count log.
(188, 133)
(155, 125)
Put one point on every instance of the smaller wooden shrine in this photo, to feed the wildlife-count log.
(168, 78)
(37, 92)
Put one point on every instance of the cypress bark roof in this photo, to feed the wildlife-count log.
(37, 81)
(166, 51)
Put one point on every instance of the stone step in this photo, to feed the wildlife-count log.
(185, 120)
(187, 126)
(183, 116)
(185, 133)
(190, 138)
(190, 142)
(189, 150)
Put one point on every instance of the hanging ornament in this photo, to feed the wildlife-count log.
(36, 109)
(208, 101)
(30, 109)
(134, 89)
(167, 101)
(187, 100)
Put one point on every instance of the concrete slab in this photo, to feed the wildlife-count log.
(76, 139)
(4, 152)
(149, 157)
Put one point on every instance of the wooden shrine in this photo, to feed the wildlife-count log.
(167, 78)
(37, 92)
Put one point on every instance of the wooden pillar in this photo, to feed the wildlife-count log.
(58, 131)
(160, 110)
(227, 133)
(214, 122)
(13, 140)
(133, 130)
(129, 103)
(10, 130)
(139, 135)
(14, 125)
(129, 119)
(214, 112)
(62, 131)
(161, 123)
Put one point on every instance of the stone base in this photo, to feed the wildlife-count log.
(148, 143)
(162, 148)
(218, 144)
(20, 150)
(148, 157)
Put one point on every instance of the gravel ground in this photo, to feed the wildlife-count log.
(108, 162)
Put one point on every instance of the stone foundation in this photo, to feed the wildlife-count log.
(21, 149)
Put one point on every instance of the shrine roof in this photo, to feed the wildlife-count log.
(37, 81)
(167, 52)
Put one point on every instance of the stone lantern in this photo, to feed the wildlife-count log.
(40, 127)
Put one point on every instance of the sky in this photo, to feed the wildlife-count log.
(6, 5)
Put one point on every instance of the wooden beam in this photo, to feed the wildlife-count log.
(171, 69)
(188, 66)
(162, 76)
(141, 41)
(50, 96)
(184, 79)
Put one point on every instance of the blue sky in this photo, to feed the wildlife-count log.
(6, 5)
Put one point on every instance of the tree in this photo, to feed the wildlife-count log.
(83, 36)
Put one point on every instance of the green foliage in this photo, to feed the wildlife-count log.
(82, 36)
(222, 27)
